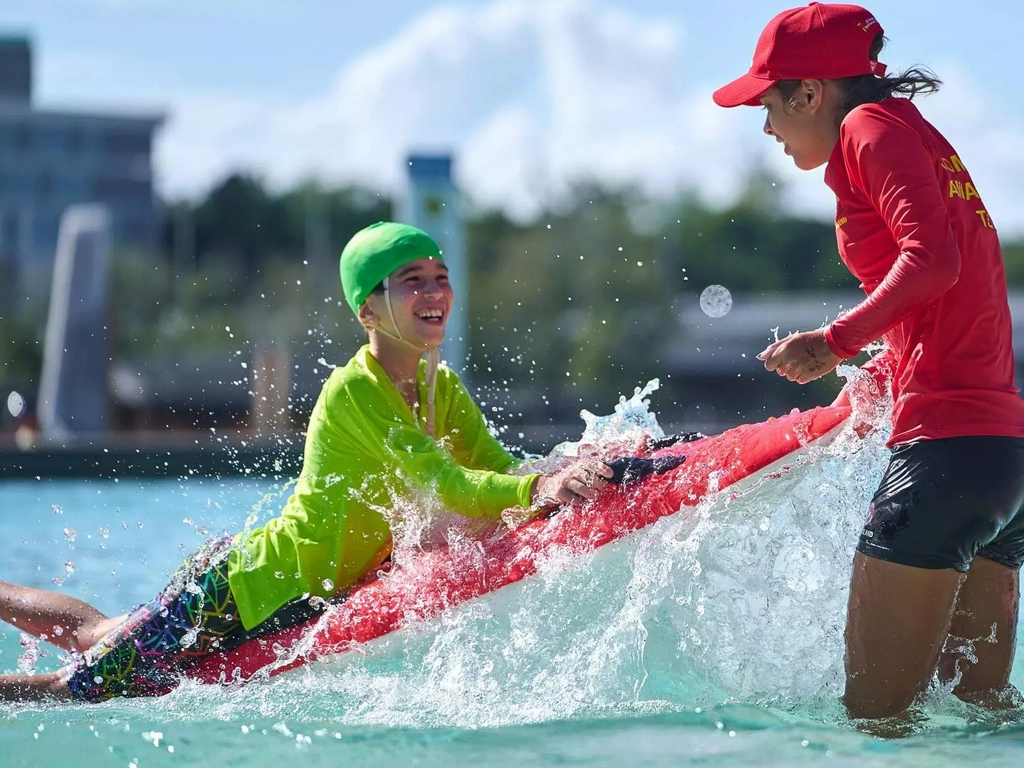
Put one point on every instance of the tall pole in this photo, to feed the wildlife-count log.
(431, 202)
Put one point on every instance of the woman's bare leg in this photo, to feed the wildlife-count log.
(897, 621)
(67, 622)
(986, 617)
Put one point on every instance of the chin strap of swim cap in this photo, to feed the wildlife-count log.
(433, 358)
(433, 361)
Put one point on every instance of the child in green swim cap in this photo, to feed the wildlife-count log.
(388, 426)
(388, 265)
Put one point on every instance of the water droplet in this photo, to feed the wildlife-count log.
(328, 585)
(716, 301)
(15, 404)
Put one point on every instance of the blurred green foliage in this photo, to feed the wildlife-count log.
(21, 345)
(572, 307)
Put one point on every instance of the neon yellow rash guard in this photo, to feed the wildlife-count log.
(364, 450)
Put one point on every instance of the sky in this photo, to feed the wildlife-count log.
(529, 95)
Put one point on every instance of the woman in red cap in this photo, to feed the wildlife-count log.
(935, 583)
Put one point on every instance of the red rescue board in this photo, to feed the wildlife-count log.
(435, 580)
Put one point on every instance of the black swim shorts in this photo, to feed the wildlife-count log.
(943, 502)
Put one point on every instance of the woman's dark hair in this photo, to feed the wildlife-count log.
(871, 89)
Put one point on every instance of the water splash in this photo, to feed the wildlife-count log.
(628, 418)
(620, 433)
(69, 570)
(30, 654)
(739, 600)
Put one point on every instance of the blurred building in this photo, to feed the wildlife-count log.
(51, 159)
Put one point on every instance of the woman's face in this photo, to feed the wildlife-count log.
(421, 302)
(803, 123)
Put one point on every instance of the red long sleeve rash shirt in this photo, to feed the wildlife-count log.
(912, 228)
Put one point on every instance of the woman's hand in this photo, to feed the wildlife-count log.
(801, 357)
(582, 479)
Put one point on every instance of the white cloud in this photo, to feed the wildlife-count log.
(531, 95)
(209, 135)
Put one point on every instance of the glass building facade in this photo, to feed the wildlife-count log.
(52, 159)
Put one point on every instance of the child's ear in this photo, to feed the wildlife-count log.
(367, 317)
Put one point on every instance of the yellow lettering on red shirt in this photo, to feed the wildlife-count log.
(957, 165)
(970, 191)
(986, 220)
(956, 189)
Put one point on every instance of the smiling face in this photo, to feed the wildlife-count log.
(805, 122)
(421, 302)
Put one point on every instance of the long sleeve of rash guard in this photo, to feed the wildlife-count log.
(891, 166)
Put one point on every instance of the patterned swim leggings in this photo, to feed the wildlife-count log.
(193, 616)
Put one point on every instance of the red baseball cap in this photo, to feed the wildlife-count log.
(825, 41)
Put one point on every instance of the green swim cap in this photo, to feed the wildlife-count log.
(375, 252)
